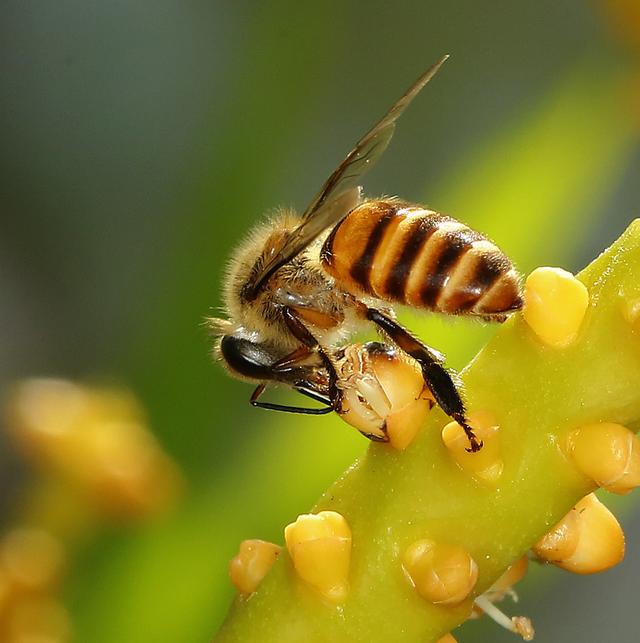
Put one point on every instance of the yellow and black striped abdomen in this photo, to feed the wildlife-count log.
(406, 254)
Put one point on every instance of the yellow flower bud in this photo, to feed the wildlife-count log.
(486, 464)
(555, 305)
(441, 573)
(587, 540)
(608, 454)
(252, 563)
(320, 548)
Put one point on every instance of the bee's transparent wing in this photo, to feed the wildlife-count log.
(340, 192)
(369, 148)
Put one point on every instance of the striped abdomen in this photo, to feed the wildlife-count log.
(402, 253)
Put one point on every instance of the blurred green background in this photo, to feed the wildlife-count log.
(140, 141)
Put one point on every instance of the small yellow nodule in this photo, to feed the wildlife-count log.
(608, 454)
(441, 573)
(320, 548)
(485, 464)
(631, 312)
(555, 305)
(587, 540)
(252, 563)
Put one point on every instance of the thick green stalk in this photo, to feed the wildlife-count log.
(391, 499)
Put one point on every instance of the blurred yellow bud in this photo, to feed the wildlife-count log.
(486, 464)
(96, 439)
(251, 564)
(441, 573)
(38, 619)
(320, 548)
(31, 558)
(555, 305)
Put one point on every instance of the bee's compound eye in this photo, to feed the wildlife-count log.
(246, 358)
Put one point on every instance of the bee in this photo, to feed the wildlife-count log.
(299, 286)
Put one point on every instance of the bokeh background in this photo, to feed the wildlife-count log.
(139, 142)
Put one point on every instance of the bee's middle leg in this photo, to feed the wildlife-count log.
(435, 375)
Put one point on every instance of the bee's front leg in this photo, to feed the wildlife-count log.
(301, 388)
(305, 337)
(436, 376)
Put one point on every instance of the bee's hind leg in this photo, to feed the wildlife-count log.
(436, 376)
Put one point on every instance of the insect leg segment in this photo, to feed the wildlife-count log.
(436, 376)
(299, 354)
(259, 390)
(304, 335)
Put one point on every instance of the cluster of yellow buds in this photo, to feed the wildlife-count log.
(95, 439)
(319, 546)
(97, 458)
(31, 565)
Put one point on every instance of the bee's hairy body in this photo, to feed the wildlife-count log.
(384, 250)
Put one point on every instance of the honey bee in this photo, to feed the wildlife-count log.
(299, 286)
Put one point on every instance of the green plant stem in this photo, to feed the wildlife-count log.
(391, 499)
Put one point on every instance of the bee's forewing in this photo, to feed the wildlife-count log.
(369, 148)
(340, 193)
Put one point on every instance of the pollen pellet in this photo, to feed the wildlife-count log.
(320, 548)
(555, 305)
(587, 540)
(251, 565)
(486, 464)
(383, 393)
(608, 454)
(441, 573)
